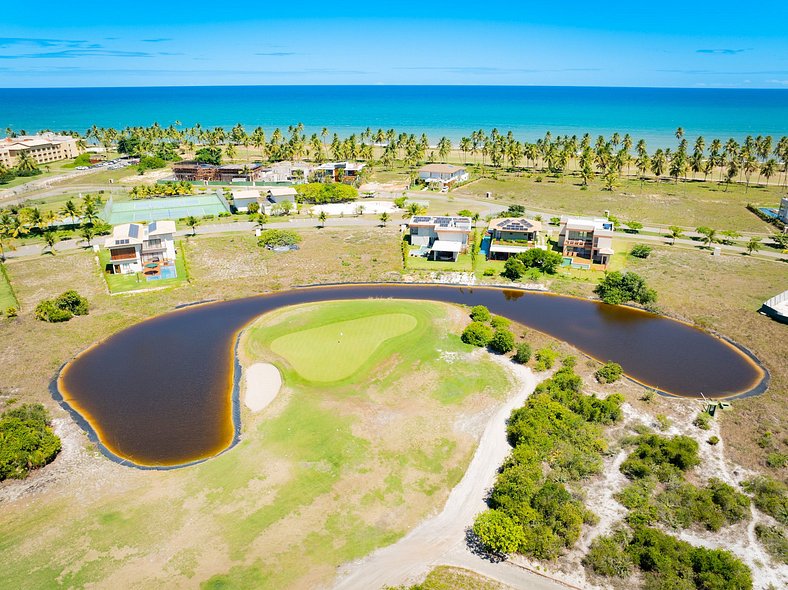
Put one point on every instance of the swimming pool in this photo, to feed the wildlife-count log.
(484, 249)
(165, 272)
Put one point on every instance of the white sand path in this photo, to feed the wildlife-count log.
(440, 540)
(263, 382)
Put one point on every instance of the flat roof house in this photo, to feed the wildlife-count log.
(133, 245)
(510, 235)
(587, 238)
(346, 172)
(442, 238)
(242, 198)
(442, 175)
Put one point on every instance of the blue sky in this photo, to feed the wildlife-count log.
(720, 44)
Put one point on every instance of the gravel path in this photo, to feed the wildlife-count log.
(440, 540)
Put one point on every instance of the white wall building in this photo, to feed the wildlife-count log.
(132, 245)
(782, 214)
(444, 237)
(443, 175)
(587, 238)
(242, 198)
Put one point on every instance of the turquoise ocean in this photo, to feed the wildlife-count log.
(454, 111)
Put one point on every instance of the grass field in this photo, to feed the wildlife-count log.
(7, 297)
(326, 474)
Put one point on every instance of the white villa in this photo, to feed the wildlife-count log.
(587, 238)
(132, 245)
(442, 175)
(440, 238)
(346, 172)
(512, 235)
(266, 197)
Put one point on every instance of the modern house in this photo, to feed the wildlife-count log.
(242, 198)
(442, 175)
(510, 236)
(280, 194)
(43, 148)
(777, 307)
(586, 238)
(133, 245)
(191, 171)
(346, 172)
(782, 214)
(440, 238)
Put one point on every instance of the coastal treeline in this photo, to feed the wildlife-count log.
(758, 158)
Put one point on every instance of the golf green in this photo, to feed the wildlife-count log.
(335, 351)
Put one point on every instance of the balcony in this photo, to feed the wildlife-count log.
(578, 243)
(123, 256)
(154, 247)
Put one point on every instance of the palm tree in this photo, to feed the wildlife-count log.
(754, 245)
(322, 217)
(675, 232)
(70, 209)
(768, 169)
(708, 235)
(88, 233)
(25, 163)
(384, 217)
(50, 239)
(414, 209)
(260, 220)
(193, 222)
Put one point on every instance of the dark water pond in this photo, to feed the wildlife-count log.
(160, 393)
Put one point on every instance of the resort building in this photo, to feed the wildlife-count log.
(192, 171)
(442, 175)
(782, 214)
(510, 236)
(132, 246)
(586, 238)
(346, 172)
(43, 148)
(440, 238)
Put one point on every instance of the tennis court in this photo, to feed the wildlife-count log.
(156, 209)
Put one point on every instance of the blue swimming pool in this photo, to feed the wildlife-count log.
(165, 272)
(768, 211)
(484, 249)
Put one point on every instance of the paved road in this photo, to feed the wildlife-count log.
(441, 539)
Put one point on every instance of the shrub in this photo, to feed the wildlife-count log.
(513, 268)
(660, 456)
(479, 313)
(498, 532)
(318, 193)
(502, 341)
(545, 358)
(522, 353)
(663, 422)
(774, 460)
(28, 441)
(11, 312)
(770, 496)
(774, 541)
(253, 208)
(713, 440)
(703, 421)
(477, 334)
(489, 272)
(617, 288)
(640, 251)
(606, 558)
(499, 323)
(48, 311)
(609, 373)
(73, 302)
(270, 238)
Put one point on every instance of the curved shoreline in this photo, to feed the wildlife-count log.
(85, 421)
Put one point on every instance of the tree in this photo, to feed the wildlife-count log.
(502, 341)
(209, 155)
(477, 334)
(193, 222)
(708, 235)
(26, 165)
(633, 226)
(260, 220)
(88, 233)
(675, 232)
(384, 218)
(609, 372)
(513, 268)
(70, 210)
(322, 217)
(479, 313)
(50, 239)
(640, 251)
(271, 238)
(498, 532)
(754, 245)
(522, 353)
(617, 288)
(414, 209)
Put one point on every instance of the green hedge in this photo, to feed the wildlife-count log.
(27, 441)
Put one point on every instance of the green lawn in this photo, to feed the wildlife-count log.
(333, 352)
(7, 297)
(138, 281)
(463, 264)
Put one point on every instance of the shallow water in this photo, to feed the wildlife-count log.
(160, 393)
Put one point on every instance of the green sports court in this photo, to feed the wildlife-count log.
(156, 209)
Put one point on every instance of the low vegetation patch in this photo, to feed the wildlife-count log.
(557, 439)
(665, 562)
(318, 193)
(271, 238)
(545, 261)
(609, 373)
(774, 541)
(545, 359)
(640, 251)
(770, 496)
(62, 308)
(27, 441)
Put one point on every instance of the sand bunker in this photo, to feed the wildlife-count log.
(263, 382)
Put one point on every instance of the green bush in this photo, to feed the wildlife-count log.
(703, 421)
(502, 341)
(28, 441)
(660, 456)
(774, 460)
(498, 532)
(253, 208)
(606, 558)
(713, 440)
(489, 272)
(11, 312)
(73, 302)
(609, 373)
(640, 251)
(479, 313)
(770, 496)
(522, 353)
(499, 323)
(774, 541)
(270, 238)
(477, 334)
(617, 288)
(663, 422)
(545, 359)
(48, 311)
(317, 193)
